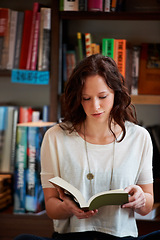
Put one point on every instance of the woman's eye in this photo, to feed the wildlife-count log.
(103, 97)
(86, 99)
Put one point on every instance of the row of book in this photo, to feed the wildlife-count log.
(127, 59)
(25, 38)
(10, 116)
(135, 62)
(92, 5)
(28, 192)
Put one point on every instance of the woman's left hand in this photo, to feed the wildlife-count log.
(137, 198)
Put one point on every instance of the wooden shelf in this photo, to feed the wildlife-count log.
(146, 99)
(12, 225)
(70, 15)
(5, 73)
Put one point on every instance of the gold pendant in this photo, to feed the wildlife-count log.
(90, 176)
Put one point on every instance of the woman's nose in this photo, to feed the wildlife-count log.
(96, 104)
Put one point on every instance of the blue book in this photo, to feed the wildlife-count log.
(20, 170)
(3, 125)
(34, 199)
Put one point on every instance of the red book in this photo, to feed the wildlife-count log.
(25, 39)
(35, 42)
(25, 114)
(4, 36)
(95, 5)
(29, 57)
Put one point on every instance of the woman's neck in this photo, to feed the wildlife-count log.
(99, 133)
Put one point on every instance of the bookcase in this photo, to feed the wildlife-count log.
(135, 26)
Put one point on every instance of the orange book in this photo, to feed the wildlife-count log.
(120, 55)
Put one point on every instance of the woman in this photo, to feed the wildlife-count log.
(97, 147)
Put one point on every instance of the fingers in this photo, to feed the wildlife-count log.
(72, 207)
(87, 214)
(137, 197)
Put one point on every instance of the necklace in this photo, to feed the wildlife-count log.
(90, 175)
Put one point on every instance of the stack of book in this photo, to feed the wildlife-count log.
(9, 117)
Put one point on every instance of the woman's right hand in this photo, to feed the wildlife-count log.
(71, 207)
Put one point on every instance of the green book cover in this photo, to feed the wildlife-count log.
(108, 47)
(80, 48)
(112, 197)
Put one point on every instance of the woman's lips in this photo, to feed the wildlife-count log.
(97, 114)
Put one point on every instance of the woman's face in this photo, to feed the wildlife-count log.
(97, 98)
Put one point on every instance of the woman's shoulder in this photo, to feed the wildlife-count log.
(136, 129)
(59, 129)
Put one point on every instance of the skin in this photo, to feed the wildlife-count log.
(97, 101)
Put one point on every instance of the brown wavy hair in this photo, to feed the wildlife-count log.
(105, 67)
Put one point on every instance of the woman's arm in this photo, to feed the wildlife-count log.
(59, 206)
(141, 198)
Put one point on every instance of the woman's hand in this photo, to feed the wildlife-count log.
(140, 199)
(71, 207)
(137, 197)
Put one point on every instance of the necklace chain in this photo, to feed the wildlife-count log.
(90, 175)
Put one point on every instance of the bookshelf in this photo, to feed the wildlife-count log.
(146, 99)
(133, 26)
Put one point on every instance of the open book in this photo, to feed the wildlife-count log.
(112, 197)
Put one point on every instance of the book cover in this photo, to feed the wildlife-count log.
(3, 120)
(95, 48)
(25, 114)
(45, 113)
(33, 22)
(14, 135)
(95, 5)
(70, 5)
(107, 5)
(18, 41)
(34, 200)
(153, 60)
(7, 166)
(80, 47)
(112, 197)
(120, 55)
(46, 41)
(12, 38)
(3, 28)
(83, 5)
(20, 170)
(28, 190)
(113, 5)
(128, 72)
(149, 69)
(108, 47)
(88, 42)
(35, 42)
(64, 65)
(25, 39)
(71, 62)
(135, 69)
(4, 36)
